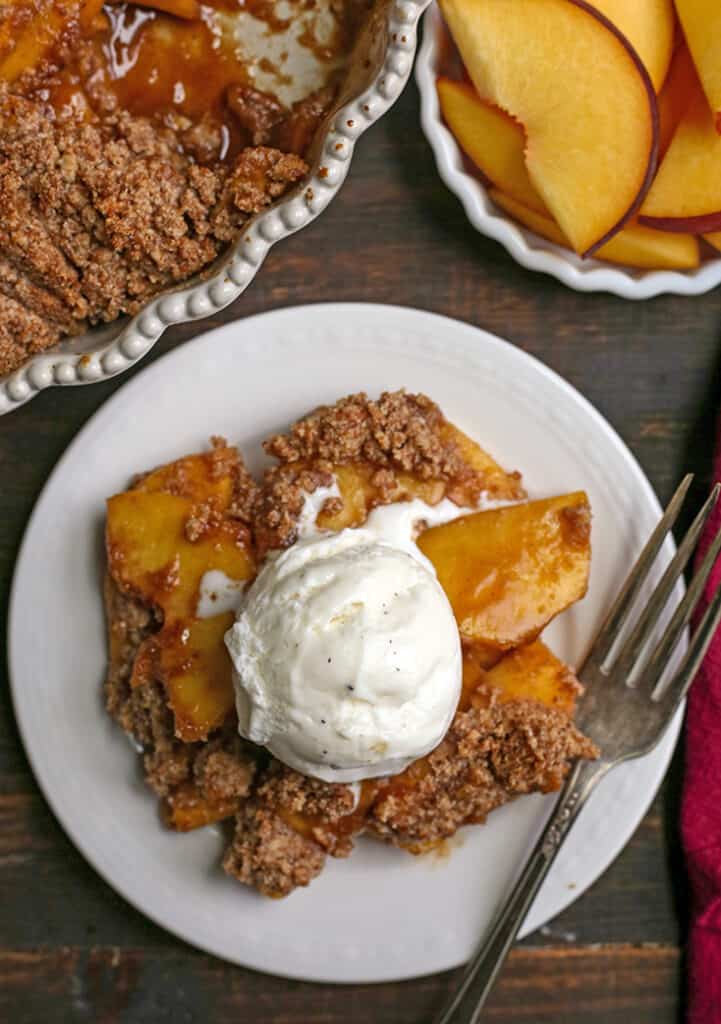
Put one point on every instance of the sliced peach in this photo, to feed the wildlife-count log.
(35, 42)
(583, 96)
(193, 662)
(649, 26)
(150, 554)
(187, 808)
(686, 195)
(675, 98)
(531, 672)
(509, 571)
(491, 138)
(360, 494)
(701, 23)
(154, 555)
(634, 246)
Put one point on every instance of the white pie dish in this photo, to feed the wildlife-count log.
(526, 247)
(374, 80)
(382, 914)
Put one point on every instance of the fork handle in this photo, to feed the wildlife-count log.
(465, 1006)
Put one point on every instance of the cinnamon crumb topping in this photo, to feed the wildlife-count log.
(397, 431)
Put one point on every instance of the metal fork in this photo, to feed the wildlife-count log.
(625, 709)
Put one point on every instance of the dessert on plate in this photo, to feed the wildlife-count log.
(349, 644)
(136, 140)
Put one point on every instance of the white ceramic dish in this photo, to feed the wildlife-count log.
(527, 248)
(381, 914)
(375, 79)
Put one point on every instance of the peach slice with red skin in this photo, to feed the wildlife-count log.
(583, 96)
(634, 246)
(496, 144)
(686, 194)
(701, 23)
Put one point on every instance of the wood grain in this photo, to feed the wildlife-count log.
(109, 985)
(72, 950)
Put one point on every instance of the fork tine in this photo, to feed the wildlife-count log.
(677, 689)
(648, 619)
(680, 619)
(631, 588)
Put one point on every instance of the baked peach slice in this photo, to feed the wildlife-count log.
(701, 23)
(649, 26)
(634, 246)
(508, 571)
(186, 808)
(360, 495)
(153, 555)
(531, 672)
(583, 96)
(686, 194)
(491, 139)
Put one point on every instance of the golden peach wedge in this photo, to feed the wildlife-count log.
(649, 26)
(701, 23)
(491, 139)
(686, 195)
(634, 246)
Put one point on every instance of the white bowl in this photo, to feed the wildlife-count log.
(526, 247)
(376, 76)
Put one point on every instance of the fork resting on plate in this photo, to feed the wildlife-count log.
(625, 709)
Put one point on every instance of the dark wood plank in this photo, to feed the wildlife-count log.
(109, 985)
(395, 234)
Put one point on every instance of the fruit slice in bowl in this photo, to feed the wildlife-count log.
(492, 139)
(583, 96)
(495, 172)
(495, 143)
(701, 23)
(635, 246)
(649, 26)
(686, 194)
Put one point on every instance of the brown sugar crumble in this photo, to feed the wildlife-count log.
(398, 431)
(99, 217)
(398, 435)
(133, 150)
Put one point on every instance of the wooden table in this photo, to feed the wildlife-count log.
(70, 948)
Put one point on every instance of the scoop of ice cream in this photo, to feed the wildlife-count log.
(347, 658)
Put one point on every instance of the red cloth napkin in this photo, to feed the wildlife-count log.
(701, 815)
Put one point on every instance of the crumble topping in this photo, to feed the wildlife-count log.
(395, 436)
(490, 755)
(398, 431)
(100, 215)
(280, 501)
(269, 855)
(225, 767)
(321, 804)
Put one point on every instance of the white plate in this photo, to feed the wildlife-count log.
(382, 914)
(526, 247)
